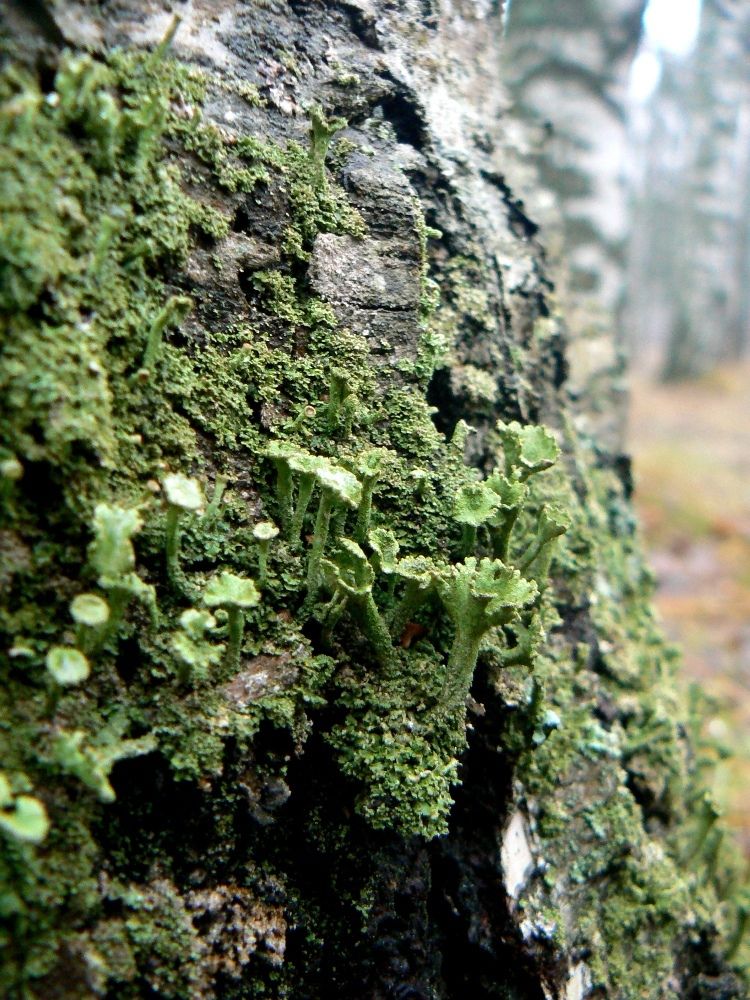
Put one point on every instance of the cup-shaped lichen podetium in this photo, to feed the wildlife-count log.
(338, 488)
(22, 817)
(535, 562)
(477, 597)
(528, 449)
(183, 496)
(511, 496)
(263, 532)
(67, 666)
(385, 556)
(90, 613)
(234, 594)
(174, 311)
(304, 465)
(322, 130)
(421, 575)
(11, 471)
(368, 467)
(195, 653)
(350, 576)
(279, 452)
(113, 557)
(385, 550)
(474, 505)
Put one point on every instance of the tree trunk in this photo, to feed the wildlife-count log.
(219, 262)
(689, 256)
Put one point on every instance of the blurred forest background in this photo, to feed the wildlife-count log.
(639, 117)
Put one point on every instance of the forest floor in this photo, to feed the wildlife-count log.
(691, 448)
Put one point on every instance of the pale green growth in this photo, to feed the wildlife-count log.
(369, 467)
(474, 505)
(11, 469)
(528, 449)
(511, 496)
(183, 492)
(195, 654)
(195, 623)
(350, 576)
(477, 597)
(165, 44)
(322, 131)
(337, 488)
(83, 97)
(305, 413)
(112, 555)
(234, 594)
(93, 764)
(67, 666)
(22, 817)
(385, 546)
(706, 816)
(529, 636)
(338, 392)
(89, 609)
(220, 485)
(741, 926)
(176, 309)
(305, 466)
(535, 562)
(184, 496)
(420, 478)
(263, 532)
(460, 436)
(421, 575)
(351, 406)
(279, 452)
(90, 613)
(110, 228)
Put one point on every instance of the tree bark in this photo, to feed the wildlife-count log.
(294, 829)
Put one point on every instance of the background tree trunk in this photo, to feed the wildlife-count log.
(566, 65)
(689, 255)
(268, 830)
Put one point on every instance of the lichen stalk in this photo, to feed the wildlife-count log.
(174, 519)
(375, 628)
(469, 539)
(118, 599)
(219, 486)
(305, 487)
(235, 629)
(365, 509)
(460, 669)
(284, 493)
(501, 536)
(320, 537)
(263, 547)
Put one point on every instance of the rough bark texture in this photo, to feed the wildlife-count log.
(270, 830)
